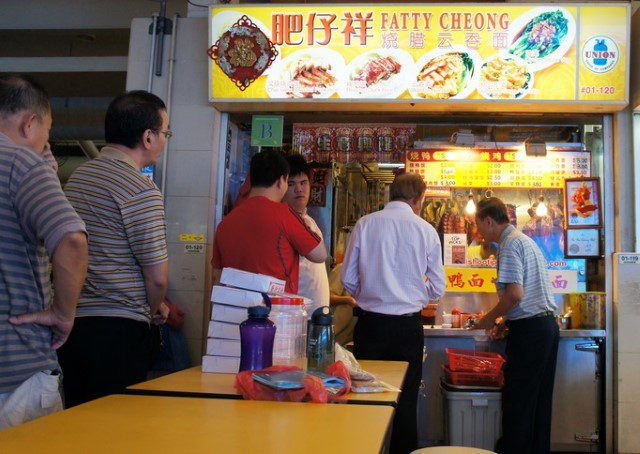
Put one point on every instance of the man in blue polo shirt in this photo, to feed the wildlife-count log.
(526, 304)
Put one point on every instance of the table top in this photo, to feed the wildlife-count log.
(122, 423)
(193, 382)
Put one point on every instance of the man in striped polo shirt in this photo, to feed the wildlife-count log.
(110, 345)
(526, 304)
(37, 224)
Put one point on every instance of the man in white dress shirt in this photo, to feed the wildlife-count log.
(313, 282)
(393, 268)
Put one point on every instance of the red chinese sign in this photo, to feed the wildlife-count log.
(352, 143)
(318, 185)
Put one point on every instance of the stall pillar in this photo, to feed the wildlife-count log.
(625, 313)
(191, 167)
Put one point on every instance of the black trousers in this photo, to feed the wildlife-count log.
(532, 349)
(103, 356)
(395, 338)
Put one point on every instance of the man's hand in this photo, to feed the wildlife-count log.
(485, 322)
(499, 330)
(60, 325)
(350, 300)
(160, 317)
(346, 299)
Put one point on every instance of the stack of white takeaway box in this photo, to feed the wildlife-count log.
(238, 290)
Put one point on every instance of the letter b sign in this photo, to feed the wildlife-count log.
(266, 130)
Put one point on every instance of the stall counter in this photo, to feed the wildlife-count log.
(438, 331)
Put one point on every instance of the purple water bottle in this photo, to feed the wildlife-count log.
(256, 340)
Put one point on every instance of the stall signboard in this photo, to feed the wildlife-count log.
(483, 280)
(421, 52)
(482, 168)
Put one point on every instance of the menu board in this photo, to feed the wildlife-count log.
(497, 168)
(424, 52)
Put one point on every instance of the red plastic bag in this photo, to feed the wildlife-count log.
(313, 391)
(175, 320)
(338, 369)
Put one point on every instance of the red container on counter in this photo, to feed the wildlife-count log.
(474, 360)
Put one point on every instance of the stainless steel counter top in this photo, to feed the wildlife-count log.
(457, 332)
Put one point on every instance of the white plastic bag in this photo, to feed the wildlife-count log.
(361, 380)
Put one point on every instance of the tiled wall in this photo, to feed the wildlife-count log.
(191, 163)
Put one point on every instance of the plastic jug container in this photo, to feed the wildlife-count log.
(256, 340)
(290, 318)
(320, 345)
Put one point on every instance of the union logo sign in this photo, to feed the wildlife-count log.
(600, 54)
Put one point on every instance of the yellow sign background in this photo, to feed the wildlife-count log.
(554, 83)
(610, 22)
(477, 280)
(482, 280)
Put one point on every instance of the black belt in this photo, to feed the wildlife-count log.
(538, 315)
(542, 314)
(359, 312)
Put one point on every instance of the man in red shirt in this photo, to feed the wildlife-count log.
(263, 235)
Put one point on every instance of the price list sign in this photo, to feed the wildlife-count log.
(497, 168)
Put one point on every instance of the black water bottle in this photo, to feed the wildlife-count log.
(320, 341)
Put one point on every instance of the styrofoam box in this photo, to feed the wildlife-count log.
(235, 296)
(473, 418)
(251, 281)
(223, 347)
(224, 330)
(229, 314)
(222, 364)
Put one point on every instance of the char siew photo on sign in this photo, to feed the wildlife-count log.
(582, 202)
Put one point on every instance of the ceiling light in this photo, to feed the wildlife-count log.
(470, 209)
(541, 209)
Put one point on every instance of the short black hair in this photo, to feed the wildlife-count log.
(267, 167)
(493, 208)
(297, 165)
(20, 93)
(130, 115)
